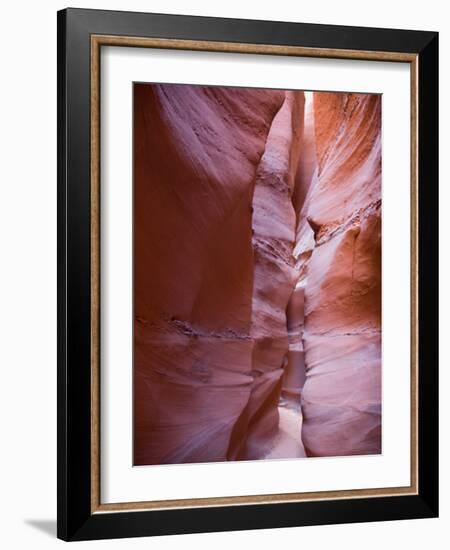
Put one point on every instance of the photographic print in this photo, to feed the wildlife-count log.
(257, 274)
(247, 274)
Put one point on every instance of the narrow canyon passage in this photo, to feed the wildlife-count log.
(257, 254)
(287, 442)
(273, 236)
(332, 375)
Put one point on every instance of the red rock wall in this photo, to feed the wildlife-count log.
(274, 223)
(257, 246)
(294, 375)
(339, 258)
(197, 150)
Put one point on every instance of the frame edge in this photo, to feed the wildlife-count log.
(160, 522)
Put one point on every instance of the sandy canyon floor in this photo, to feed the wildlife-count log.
(288, 443)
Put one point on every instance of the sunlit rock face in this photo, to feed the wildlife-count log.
(294, 374)
(257, 272)
(338, 253)
(274, 222)
(200, 383)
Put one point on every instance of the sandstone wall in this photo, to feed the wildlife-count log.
(294, 375)
(197, 151)
(338, 254)
(274, 222)
(257, 249)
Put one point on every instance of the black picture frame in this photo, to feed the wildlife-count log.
(76, 521)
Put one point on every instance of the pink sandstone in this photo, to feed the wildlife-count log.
(341, 257)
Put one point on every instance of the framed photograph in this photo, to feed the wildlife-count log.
(247, 258)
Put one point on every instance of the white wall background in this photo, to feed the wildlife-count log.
(28, 272)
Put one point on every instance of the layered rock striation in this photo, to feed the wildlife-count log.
(274, 276)
(257, 235)
(197, 151)
(339, 255)
(294, 375)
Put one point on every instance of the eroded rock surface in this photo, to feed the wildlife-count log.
(273, 240)
(257, 255)
(197, 150)
(340, 257)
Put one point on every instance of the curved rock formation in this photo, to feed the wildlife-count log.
(294, 375)
(257, 258)
(340, 255)
(196, 154)
(274, 276)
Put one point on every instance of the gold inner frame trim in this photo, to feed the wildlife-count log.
(175, 44)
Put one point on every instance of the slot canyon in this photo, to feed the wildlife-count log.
(257, 274)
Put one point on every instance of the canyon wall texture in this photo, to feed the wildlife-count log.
(257, 273)
(338, 254)
(273, 240)
(294, 375)
(196, 155)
